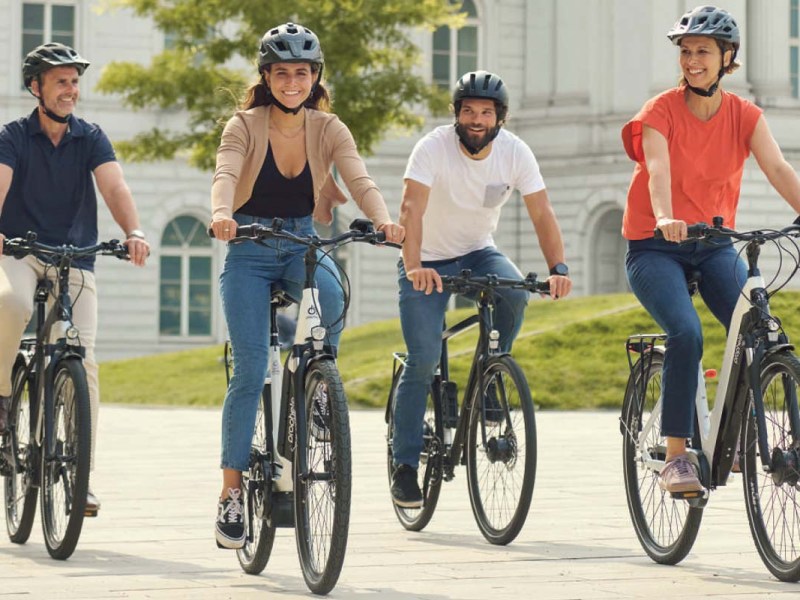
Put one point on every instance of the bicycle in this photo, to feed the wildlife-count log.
(755, 413)
(47, 443)
(494, 434)
(300, 463)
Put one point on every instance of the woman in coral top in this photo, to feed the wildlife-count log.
(690, 144)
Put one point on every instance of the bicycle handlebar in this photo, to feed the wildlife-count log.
(702, 231)
(20, 247)
(466, 282)
(361, 230)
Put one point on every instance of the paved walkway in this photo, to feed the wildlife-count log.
(157, 478)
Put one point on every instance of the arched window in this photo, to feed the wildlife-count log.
(186, 282)
(607, 261)
(455, 51)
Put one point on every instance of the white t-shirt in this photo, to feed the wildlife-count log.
(466, 195)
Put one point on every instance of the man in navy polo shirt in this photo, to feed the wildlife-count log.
(47, 161)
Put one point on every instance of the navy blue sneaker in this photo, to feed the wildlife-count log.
(230, 521)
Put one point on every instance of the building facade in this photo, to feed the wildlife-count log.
(577, 70)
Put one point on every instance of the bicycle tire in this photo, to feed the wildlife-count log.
(322, 499)
(65, 476)
(254, 556)
(500, 500)
(773, 499)
(666, 527)
(19, 491)
(429, 473)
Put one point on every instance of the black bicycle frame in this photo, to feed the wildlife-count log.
(483, 318)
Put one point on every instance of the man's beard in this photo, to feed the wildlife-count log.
(475, 142)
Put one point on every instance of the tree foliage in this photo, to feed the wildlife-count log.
(370, 63)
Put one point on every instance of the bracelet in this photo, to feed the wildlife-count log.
(136, 233)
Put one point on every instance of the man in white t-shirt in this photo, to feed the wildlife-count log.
(456, 181)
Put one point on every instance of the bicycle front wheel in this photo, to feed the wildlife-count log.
(429, 473)
(666, 527)
(322, 493)
(259, 535)
(773, 497)
(501, 451)
(65, 466)
(20, 455)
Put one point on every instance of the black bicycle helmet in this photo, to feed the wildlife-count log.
(47, 56)
(482, 84)
(289, 43)
(707, 20)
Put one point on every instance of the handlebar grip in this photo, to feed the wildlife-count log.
(695, 231)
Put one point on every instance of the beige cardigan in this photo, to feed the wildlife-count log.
(243, 150)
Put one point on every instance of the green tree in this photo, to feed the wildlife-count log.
(369, 66)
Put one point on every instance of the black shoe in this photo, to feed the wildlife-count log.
(405, 489)
(230, 521)
(5, 403)
(321, 418)
(493, 409)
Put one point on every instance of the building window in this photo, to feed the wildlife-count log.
(47, 22)
(794, 46)
(186, 283)
(455, 51)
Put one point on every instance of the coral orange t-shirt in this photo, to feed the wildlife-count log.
(706, 160)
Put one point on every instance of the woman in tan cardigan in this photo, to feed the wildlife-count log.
(275, 160)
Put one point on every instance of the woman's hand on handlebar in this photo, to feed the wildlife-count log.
(672, 229)
(2, 242)
(224, 229)
(425, 280)
(394, 233)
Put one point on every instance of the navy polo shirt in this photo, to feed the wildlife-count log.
(52, 189)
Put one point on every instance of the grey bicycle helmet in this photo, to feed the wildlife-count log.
(707, 20)
(47, 56)
(482, 84)
(289, 43)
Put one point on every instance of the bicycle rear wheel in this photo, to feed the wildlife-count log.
(259, 535)
(322, 495)
(20, 454)
(429, 473)
(65, 473)
(666, 527)
(773, 498)
(501, 464)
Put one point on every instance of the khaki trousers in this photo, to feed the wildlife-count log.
(18, 278)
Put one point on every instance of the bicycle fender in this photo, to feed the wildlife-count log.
(778, 348)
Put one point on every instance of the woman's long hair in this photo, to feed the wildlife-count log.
(258, 94)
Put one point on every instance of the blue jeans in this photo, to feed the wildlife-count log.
(422, 320)
(657, 275)
(246, 282)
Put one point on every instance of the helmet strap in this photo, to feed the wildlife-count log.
(471, 148)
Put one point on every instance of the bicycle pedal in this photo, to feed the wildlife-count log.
(694, 495)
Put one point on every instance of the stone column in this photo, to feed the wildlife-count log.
(766, 50)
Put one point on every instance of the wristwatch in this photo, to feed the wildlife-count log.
(559, 269)
(136, 233)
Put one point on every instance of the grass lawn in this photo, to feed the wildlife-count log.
(573, 352)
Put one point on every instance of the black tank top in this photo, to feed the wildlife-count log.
(276, 196)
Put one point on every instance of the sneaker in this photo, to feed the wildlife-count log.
(679, 475)
(5, 403)
(321, 418)
(92, 504)
(405, 489)
(230, 521)
(493, 410)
